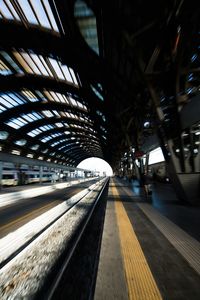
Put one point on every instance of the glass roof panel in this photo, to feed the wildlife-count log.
(28, 12)
(46, 66)
(67, 73)
(56, 113)
(73, 102)
(62, 98)
(59, 125)
(73, 76)
(46, 127)
(40, 12)
(29, 95)
(11, 61)
(97, 93)
(17, 98)
(5, 11)
(22, 62)
(50, 14)
(30, 62)
(12, 99)
(56, 68)
(4, 70)
(39, 64)
(87, 24)
(46, 139)
(54, 96)
(6, 103)
(16, 123)
(12, 10)
(47, 113)
(2, 108)
(34, 132)
(35, 64)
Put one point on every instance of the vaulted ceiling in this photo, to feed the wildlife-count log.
(80, 79)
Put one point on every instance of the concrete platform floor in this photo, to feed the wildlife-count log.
(144, 253)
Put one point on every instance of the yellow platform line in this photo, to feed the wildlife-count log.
(140, 281)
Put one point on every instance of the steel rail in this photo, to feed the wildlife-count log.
(50, 293)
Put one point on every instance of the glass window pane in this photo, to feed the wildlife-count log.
(61, 98)
(27, 10)
(67, 74)
(29, 95)
(16, 98)
(11, 61)
(46, 66)
(30, 63)
(37, 116)
(6, 103)
(12, 9)
(22, 62)
(73, 76)
(47, 113)
(56, 113)
(48, 96)
(39, 64)
(40, 12)
(2, 108)
(12, 101)
(5, 11)
(56, 68)
(51, 17)
(54, 97)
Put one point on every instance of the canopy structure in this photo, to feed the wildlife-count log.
(94, 78)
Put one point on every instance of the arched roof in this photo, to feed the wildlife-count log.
(80, 79)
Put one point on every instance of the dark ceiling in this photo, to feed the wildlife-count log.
(94, 102)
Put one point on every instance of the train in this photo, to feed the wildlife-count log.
(12, 176)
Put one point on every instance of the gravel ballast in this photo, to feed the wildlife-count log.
(24, 276)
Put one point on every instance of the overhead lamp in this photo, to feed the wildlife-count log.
(146, 124)
(3, 135)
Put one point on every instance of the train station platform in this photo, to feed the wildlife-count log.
(10, 195)
(147, 251)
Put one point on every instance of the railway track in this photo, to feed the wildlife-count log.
(33, 247)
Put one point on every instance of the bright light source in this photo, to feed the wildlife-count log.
(156, 156)
(146, 124)
(96, 164)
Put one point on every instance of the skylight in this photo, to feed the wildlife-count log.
(34, 132)
(10, 61)
(10, 100)
(30, 12)
(37, 64)
(87, 24)
(16, 123)
(23, 120)
(4, 70)
(29, 95)
(47, 113)
(97, 93)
